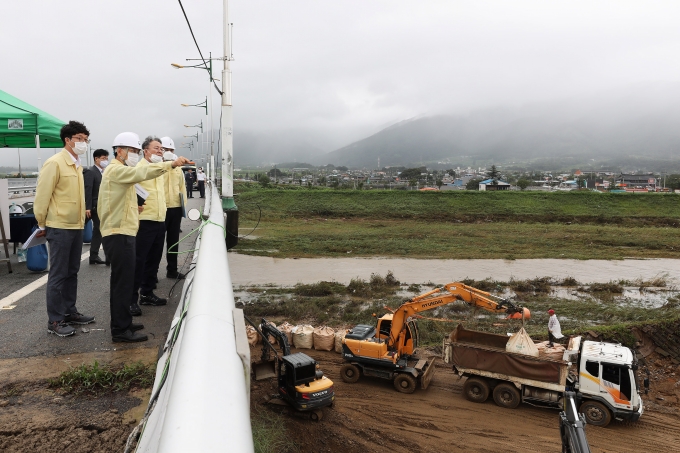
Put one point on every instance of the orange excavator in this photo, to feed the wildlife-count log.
(388, 350)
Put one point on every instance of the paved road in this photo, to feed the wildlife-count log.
(23, 329)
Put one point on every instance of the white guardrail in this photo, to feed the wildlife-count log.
(201, 397)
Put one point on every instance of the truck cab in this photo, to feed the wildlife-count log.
(608, 373)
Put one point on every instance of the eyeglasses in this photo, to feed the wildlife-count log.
(80, 139)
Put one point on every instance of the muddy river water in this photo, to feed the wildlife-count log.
(257, 270)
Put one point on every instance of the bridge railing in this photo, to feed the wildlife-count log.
(200, 400)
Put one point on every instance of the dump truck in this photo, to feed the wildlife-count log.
(603, 376)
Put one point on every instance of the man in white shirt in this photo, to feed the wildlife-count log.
(554, 330)
(200, 177)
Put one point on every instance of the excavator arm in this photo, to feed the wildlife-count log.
(267, 329)
(449, 293)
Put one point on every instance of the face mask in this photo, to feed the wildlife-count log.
(132, 159)
(168, 156)
(155, 159)
(80, 148)
(103, 163)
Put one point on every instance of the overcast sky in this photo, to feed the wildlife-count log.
(330, 71)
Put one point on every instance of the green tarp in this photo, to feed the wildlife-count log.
(20, 122)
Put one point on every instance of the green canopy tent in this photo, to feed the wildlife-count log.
(24, 126)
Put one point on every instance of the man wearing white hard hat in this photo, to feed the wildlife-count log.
(175, 197)
(119, 216)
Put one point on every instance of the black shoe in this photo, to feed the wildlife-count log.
(135, 327)
(151, 299)
(97, 260)
(78, 318)
(175, 275)
(60, 328)
(107, 262)
(135, 310)
(129, 337)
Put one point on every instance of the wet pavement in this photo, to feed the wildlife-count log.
(23, 328)
(257, 270)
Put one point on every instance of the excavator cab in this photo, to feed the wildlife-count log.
(411, 335)
(302, 384)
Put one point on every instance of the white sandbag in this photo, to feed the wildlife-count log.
(253, 337)
(287, 329)
(339, 335)
(324, 338)
(303, 337)
(521, 343)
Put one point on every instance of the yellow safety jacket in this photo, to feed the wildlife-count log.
(60, 194)
(154, 207)
(174, 186)
(117, 204)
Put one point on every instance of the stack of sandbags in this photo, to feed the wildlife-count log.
(324, 338)
(253, 337)
(286, 329)
(303, 336)
(521, 343)
(546, 352)
(339, 335)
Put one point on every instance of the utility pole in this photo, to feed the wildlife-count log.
(226, 135)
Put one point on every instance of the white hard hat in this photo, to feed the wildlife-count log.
(15, 209)
(128, 140)
(167, 143)
(169, 156)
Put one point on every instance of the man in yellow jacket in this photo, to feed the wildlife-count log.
(59, 208)
(119, 215)
(151, 233)
(175, 197)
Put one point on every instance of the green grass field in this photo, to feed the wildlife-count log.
(510, 225)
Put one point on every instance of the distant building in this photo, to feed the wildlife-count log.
(637, 181)
(491, 184)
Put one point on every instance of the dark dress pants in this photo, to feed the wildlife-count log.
(190, 190)
(66, 246)
(96, 242)
(173, 221)
(150, 238)
(120, 251)
(201, 188)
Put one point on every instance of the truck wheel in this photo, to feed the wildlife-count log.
(405, 383)
(596, 413)
(476, 390)
(506, 395)
(349, 373)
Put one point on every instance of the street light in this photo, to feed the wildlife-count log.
(203, 104)
(207, 67)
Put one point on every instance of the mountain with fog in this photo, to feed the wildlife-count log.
(632, 126)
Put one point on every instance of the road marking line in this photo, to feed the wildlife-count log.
(6, 303)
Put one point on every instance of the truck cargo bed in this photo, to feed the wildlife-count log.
(473, 350)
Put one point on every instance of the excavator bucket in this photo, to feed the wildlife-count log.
(428, 374)
(264, 370)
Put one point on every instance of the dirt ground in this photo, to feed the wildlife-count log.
(36, 418)
(372, 416)
(368, 416)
